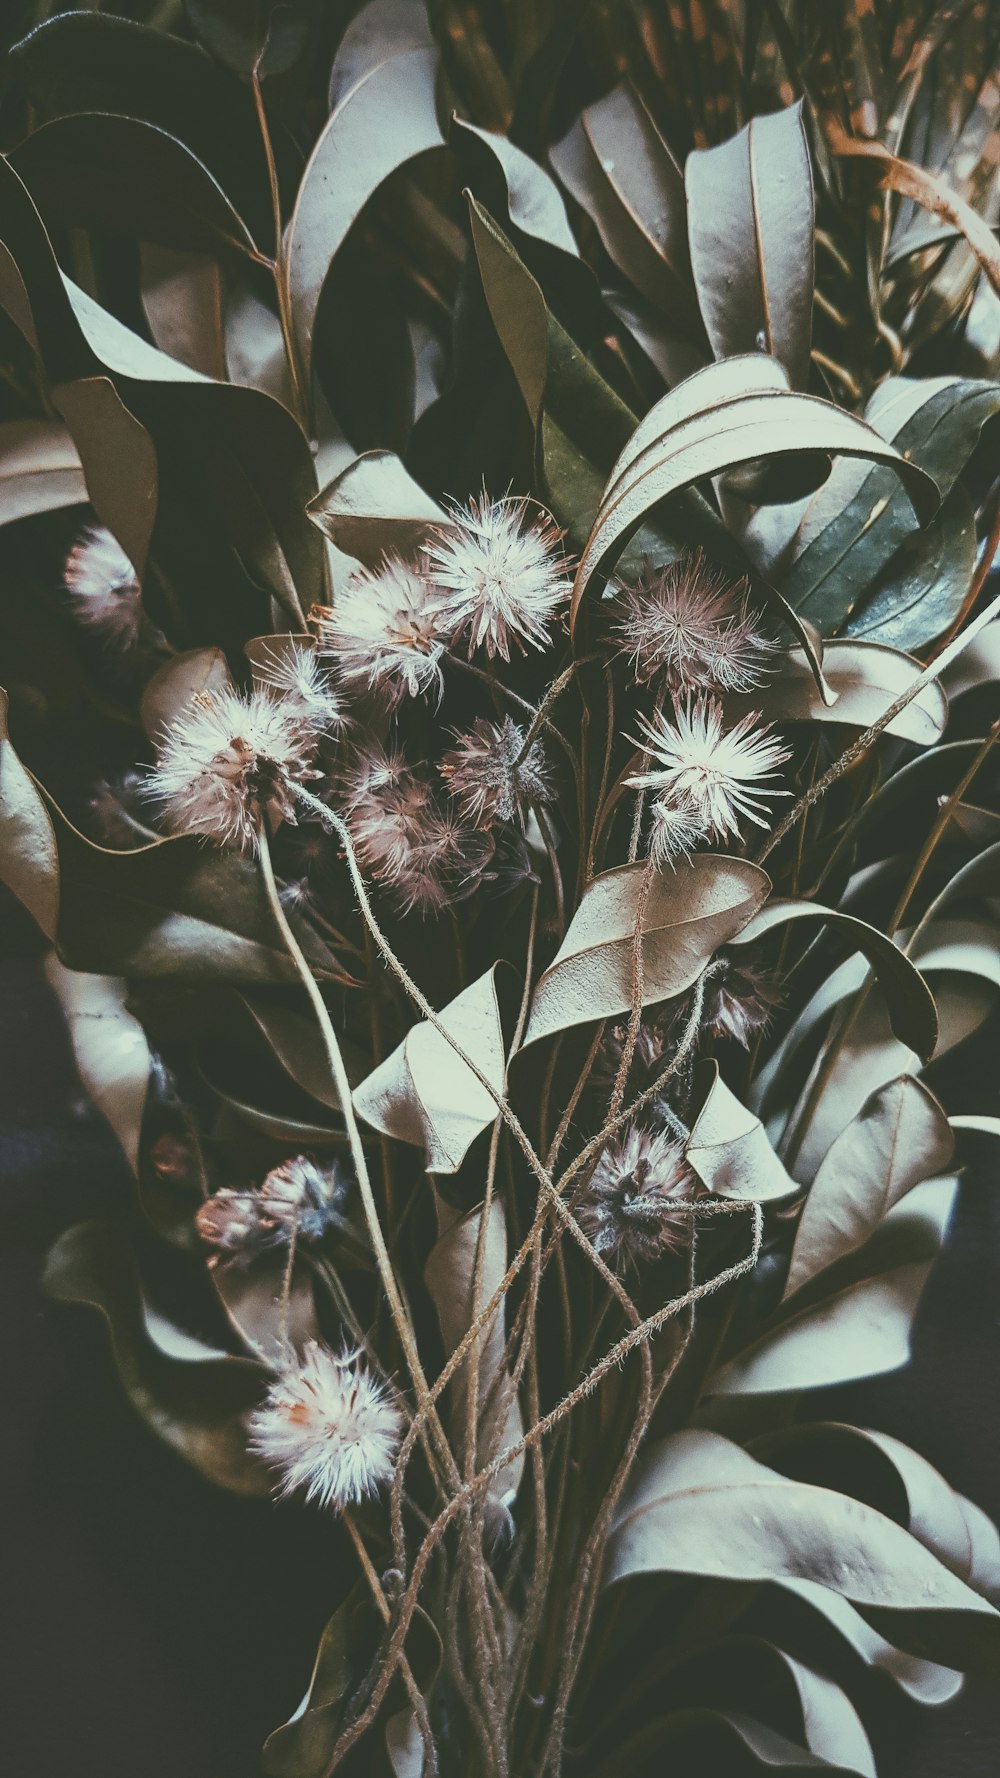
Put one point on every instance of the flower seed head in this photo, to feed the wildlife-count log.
(407, 838)
(676, 827)
(227, 759)
(297, 675)
(102, 588)
(328, 1426)
(740, 998)
(502, 579)
(489, 778)
(690, 625)
(719, 774)
(297, 1200)
(632, 1209)
(386, 633)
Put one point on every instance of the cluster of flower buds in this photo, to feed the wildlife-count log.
(297, 1201)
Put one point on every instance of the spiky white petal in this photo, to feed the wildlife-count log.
(297, 674)
(688, 623)
(718, 773)
(386, 632)
(632, 1207)
(489, 778)
(504, 580)
(329, 1427)
(102, 588)
(226, 758)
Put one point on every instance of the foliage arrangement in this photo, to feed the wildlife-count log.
(480, 483)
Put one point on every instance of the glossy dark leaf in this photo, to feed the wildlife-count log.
(40, 469)
(862, 679)
(95, 62)
(750, 221)
(109, 1046)
(269, 35)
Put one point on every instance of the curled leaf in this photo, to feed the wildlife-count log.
(729, 1150)
(688, 914)
(426, 1094)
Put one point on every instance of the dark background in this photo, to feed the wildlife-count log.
(154, 1627)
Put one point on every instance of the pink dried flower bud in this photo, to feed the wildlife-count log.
(632, 1210)
(407, 839)
(491, 776)
(690, 625)
(102, 588)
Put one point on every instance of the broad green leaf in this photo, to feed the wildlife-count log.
(737, 411)
(923, 587)
(909, 1000)
(40, 469)
(860, 1328)
(450, 1277)
(426, 1094)
(29, 857)
(269, 35)
(899, 1138)
(728, 1148)
(193, 1397)
(689, 913)
(709, 1739)
(700, 1506)
(857, 522)
(625, 179)
(184, 302)
(375, 508)
(380, 29)
(180, 679)
(96, 169)
(750, 214)
(110, 1048)
(95, 62)
(534, 202)
(119, 460)
(863, 678)
(379, 124)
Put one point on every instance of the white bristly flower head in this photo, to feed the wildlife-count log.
(102, 588)
(632, 1208)
(297, 1201)
(503, 580)
(719, 774)
(386, 632)
(328, 1427)
(488, 777)
(675, 828)
(690, 625)
(297, 674)
(225, 760)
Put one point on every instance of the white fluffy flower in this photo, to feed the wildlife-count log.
(488, 777)
(689, 624)
(226, 759)
(503, 580)
(328, 1426)
(297, 1200)
(102, 587)
(718, 774)
(632, 1209)
(297, 674)
(386, 632)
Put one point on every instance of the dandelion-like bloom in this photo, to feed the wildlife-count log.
(328, 1426)
(226, 760)
(297, 675)
(632, 1209)
(689, 624)
(718, 773)
(503, 580)
(675, 829)
(103, 591)
(386, 632)
(406, 838)
(489, 778)
(297, 1200)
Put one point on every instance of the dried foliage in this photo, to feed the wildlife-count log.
(479, 483)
